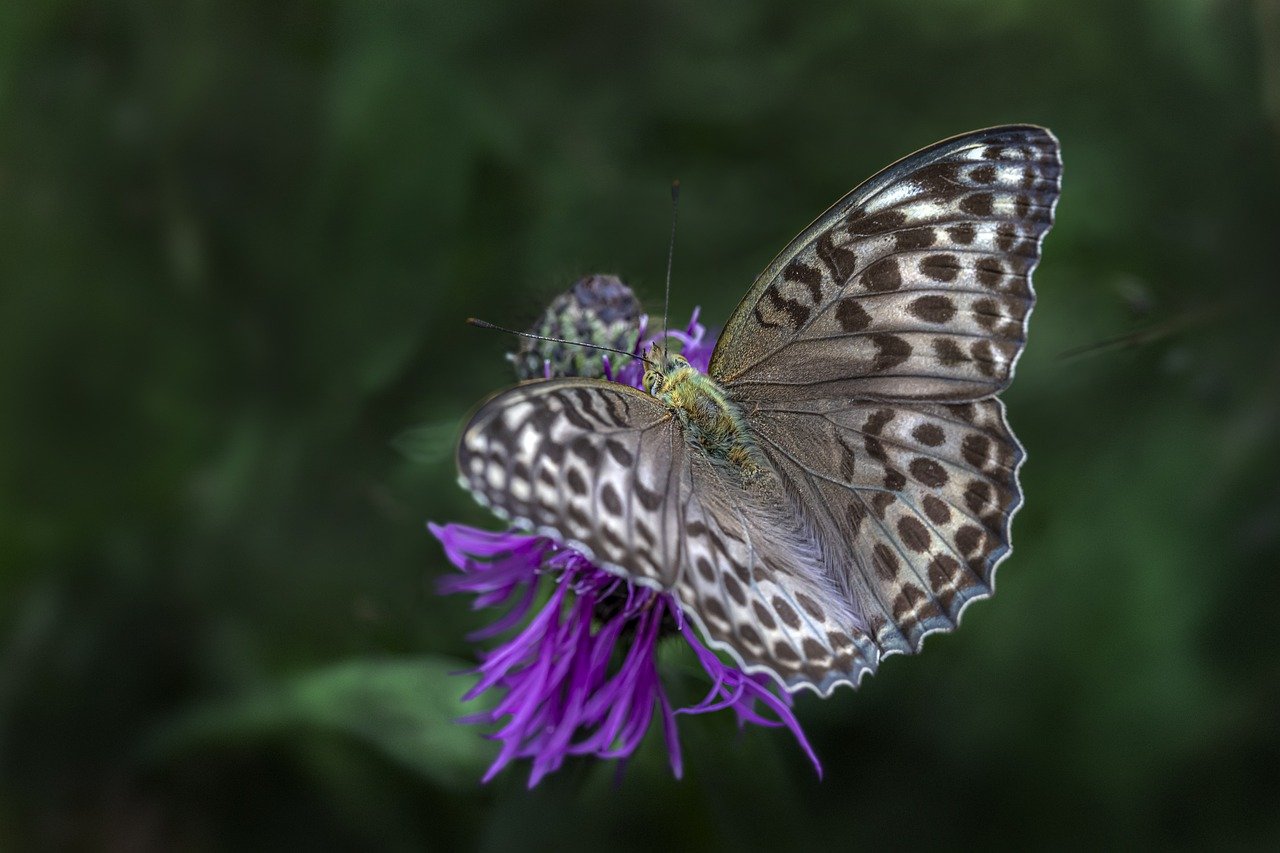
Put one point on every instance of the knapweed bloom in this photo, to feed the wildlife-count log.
(574, 669)
(598, 309)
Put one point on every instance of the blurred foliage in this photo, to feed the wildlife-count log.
(404, 708)
(239, 243)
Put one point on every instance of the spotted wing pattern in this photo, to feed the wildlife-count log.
(590, 463)
(864, 359)
(914, 501)
(915, 285)
(608, 471)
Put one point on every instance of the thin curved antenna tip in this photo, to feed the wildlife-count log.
(485, 324)
(671, 252)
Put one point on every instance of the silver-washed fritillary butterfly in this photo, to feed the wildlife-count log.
(841, 482)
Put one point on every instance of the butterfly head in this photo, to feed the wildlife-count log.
(664, 369)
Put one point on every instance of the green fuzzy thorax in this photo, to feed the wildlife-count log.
(711, 421)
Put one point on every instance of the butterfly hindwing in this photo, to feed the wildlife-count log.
(916, 285)
(913, 503)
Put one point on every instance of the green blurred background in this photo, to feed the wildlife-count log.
(238, 241)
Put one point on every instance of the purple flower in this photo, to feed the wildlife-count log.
(577, 672)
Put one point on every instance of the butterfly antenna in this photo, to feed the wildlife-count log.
(484, 324)
(1151, 334)
(671, 252)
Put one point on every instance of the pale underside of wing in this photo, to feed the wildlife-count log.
(912, 501)
(916, 285)
(605, 469)
(590, 463)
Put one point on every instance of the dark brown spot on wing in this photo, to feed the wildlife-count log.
(891, 351)
(714, 609)
(928, 472)
(1006, 233)
(939, 181)
(786, 613)
(763, 616)
(936, 509)
(975, 449)
(554, 451)
(860, 222)
(943, 569)
(649, 498)
(948, 351)
(914, 534)
(915, 238)
(839, 260)
(968, 539)
(930, 435)
(811, 607)
(619, 452)
(940, 267)
(983, 357)
(609, 497)
(734, 589)
(983, 174)
(978, 204)
(885, 562)
(578, 517)
(799, 314)
(977, 496)
(876, 421)
(785, 654)
(801, 272)
(882, 276)
(933, 309)
(813, 650)
(989, 271)
(851, 316)
(987, 313)
(583, 448)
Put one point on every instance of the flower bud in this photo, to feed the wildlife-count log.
(598, 309)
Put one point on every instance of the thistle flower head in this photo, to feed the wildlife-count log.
(573, 662)
(598, 309)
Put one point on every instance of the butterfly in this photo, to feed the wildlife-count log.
(841, 482)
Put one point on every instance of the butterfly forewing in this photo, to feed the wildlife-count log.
(589, 462)
(916, 285)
